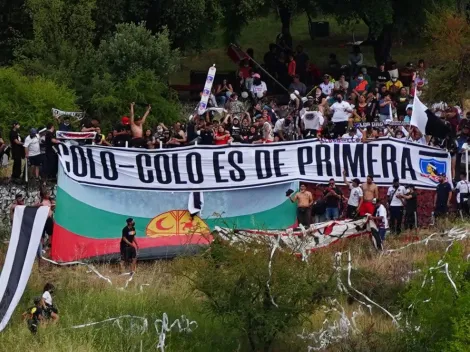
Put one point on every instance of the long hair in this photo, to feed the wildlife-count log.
(48, 287)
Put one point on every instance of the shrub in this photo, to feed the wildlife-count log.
(234, 281)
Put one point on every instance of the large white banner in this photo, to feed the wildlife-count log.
(215, 168)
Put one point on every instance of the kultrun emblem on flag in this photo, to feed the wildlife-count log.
(176, 223)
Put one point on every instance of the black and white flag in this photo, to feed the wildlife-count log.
(28, 225)
(195, 203)
(427, 122)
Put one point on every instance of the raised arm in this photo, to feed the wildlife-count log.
(149, 108)
(132, 112)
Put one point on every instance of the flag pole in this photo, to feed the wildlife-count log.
(261, 67)
(466, 163)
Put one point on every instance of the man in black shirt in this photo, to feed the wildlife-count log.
(442, 197)
(122, 132)
(411, 208)
(52, 161)
(17, 151)
(332, 196)
(382, 75)
(207, 134)
(129, 246)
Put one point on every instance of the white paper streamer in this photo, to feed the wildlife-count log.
(89, 266)
(183, 326)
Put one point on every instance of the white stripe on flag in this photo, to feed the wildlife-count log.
(13, 244)
(419, 118)
(36, 234)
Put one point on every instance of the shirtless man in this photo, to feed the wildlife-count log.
(371, 191)
(136, 127)
(304, 201)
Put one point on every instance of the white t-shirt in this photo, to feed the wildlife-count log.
(341, 111)
(278, 125)
(358, 135)
(463, 187)
(355, 195)
(314, 121)
(268, 132)
(259, 89)
(47, 298)
(33, 145)
(382, 212)
(327, 88)
(396, 202)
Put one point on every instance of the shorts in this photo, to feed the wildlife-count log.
(138, 143)
(35, 160)
(367, 208)
(128, 253)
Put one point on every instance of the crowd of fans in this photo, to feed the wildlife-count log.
(349, 101)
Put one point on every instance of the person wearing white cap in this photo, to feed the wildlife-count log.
(258, 88)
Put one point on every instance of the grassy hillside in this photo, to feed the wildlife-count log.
(157, 288)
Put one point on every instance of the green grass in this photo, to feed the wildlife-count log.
(82, 298)
(260, 33)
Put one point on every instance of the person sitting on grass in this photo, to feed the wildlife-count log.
(50, 311)
(34, 315)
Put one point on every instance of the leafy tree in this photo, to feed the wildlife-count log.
(15, 26)
(449, 35)
(111, 96)
(29, 100)
(63, 34)
(133, 48)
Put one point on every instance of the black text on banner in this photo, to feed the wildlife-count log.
(248, 166)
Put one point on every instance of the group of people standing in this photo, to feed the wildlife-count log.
(399, 207)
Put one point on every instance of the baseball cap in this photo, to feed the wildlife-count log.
(33, 131)
(129, 220)
(125, 120)
(19, 196)
(409, 106)
(256, 75)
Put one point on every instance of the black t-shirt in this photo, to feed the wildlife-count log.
(332, 201)
(48, 144)
(207, 137)
(235, 131)
(35, 312)
(383, 77)
(64, 127)
(16, 149)
(120, 141)
(412, 204)
(442, 191)
(253, 137)
(244, 131)
(128, 234)
(191, 131)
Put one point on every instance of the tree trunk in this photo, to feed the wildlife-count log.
(285, 14)
(383, 45)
